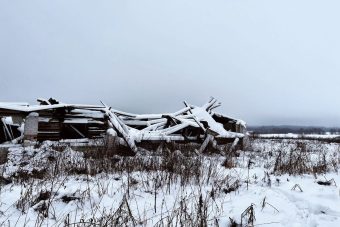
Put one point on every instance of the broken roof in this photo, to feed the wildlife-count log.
(138, 127)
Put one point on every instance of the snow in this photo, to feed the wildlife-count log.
(296, 136)
(238, 121)
(100, 195)
(156, 126)
(76, 121)
(8, 120)
(32, 108)
(156, 123)
(203, 115)
(111, 132)
(33, 114)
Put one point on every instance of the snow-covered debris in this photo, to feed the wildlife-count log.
(190, 123)
(59, 121)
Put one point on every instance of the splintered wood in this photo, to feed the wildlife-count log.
(192, 124)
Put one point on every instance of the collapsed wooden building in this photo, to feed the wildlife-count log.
(52, 120)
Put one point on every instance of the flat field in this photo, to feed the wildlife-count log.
(274, 182)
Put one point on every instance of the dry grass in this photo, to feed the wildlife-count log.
(158, 172)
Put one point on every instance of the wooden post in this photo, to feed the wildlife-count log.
(31, 127)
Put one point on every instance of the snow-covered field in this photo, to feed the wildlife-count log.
(297, 136)
(279, 181)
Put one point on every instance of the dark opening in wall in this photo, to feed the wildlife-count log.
(8, 132)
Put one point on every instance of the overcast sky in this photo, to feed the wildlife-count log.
(268, 62)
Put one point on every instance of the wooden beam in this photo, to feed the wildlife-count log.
(195, 118)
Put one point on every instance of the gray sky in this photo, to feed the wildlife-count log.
(268, 62)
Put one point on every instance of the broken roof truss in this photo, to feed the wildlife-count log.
(192, 123)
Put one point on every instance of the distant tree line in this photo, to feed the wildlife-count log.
(293, 129)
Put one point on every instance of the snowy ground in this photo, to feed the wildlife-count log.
(297, 136)
(65, 188)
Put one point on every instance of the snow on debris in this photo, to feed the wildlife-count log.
(192, 123)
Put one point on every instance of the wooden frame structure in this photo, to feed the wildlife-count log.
(56, 121)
